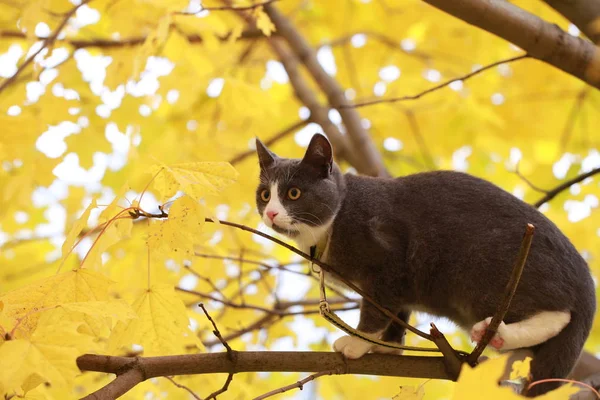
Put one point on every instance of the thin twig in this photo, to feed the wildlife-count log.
(509, 292)
(437, 87)
(179, 385)
(452, 360)
(564, 186)
(414, 127)
(227, 8)
(572, 118)
(260, 323)
(274, 139)
(223, 389)
(300, 384)
(46, 43)
(217, 333)
(274, 311)
(132, 41)
(528, 182)
(326, 267)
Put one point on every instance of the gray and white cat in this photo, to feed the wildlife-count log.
(441, 242)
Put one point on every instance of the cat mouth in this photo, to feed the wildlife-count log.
(284, 231)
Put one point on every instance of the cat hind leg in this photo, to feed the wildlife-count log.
(526, 333)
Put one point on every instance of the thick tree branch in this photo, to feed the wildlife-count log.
(122, 384)
(318, 113)
(540, 39)
(584, 14)
(359, 137)
(133, 370)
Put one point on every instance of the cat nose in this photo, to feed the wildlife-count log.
(272, 215)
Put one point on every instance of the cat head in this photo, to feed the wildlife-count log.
(297, 197)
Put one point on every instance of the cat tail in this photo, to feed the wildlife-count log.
(556, 357)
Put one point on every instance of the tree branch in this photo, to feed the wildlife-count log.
(300, 384)
(217, 333)
(273, 139)
(45, 44)
(582, 13)
(120, 385)
(223, 389)
(126, 42)
(261, 361)
(359, 137)
(564, 186)
(509, 292)
(318, 113)
(187, 389)
(438, 87)
(228, 8)
(452, 360)
(540, 39)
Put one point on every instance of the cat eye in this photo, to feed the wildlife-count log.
(265, 195)
(294, 193)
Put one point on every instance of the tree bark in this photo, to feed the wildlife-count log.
(541, 39)
(134, 370)
(584, 14)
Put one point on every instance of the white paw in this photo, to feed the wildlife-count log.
(387, 350)
(478, 330)
(352, 347)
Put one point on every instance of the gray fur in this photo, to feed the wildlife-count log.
(440, 241)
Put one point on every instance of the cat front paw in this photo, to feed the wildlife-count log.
(478, 330)
(352, 347)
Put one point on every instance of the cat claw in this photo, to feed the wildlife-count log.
(352, 347)
(478, 330)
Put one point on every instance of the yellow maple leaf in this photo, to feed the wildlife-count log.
(521, 368)
(25, 304)
(111, 210)
(195, 179)
(410, 393)
(482, 382)
(78, 226)
(113, 233)
(161, 327)
(263, 22)
(116, 309)
(49, 354)
(181, 230)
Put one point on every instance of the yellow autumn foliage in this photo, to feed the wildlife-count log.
(141, 109)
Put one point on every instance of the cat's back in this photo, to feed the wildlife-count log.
(446, 193)
(459, 216)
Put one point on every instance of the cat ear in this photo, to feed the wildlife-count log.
(319, 154)
(265, 156)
